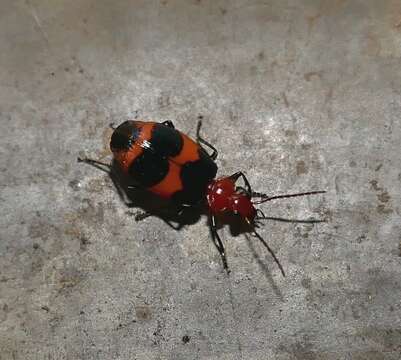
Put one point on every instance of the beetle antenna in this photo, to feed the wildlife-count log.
(265, 198)
(270, 251)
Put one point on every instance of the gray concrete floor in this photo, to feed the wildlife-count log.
(302, 95)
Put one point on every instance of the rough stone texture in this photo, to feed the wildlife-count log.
(303, 95)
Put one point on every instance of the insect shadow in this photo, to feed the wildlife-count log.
(152, 205)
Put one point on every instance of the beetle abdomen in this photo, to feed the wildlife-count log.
(163, 160)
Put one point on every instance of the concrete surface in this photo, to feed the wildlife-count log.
(302, 95)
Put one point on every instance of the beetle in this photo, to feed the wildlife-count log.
(164, 161)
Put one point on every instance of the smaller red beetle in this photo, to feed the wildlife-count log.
(162, 160)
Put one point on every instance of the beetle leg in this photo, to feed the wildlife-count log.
(175, 227)
(217, 242)
(239, 174)
(168, 123)
(142, 215)
(163, 213)
(200, 140)
(241, 190)
(179, 209)
(97, 164)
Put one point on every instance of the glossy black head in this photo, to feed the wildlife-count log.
(124, 135)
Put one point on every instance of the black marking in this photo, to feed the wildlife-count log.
(124, 136)
(195, 177)
(166, 141)
(149, 168)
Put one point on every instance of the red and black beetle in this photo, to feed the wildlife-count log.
(168, 163)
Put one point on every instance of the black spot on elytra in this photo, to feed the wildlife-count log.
(124, 136)
(166, 141)
(149, 168)
(195, 177)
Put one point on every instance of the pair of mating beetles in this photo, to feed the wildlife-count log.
(160, 159)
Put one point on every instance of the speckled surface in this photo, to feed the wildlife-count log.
(302, 95)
